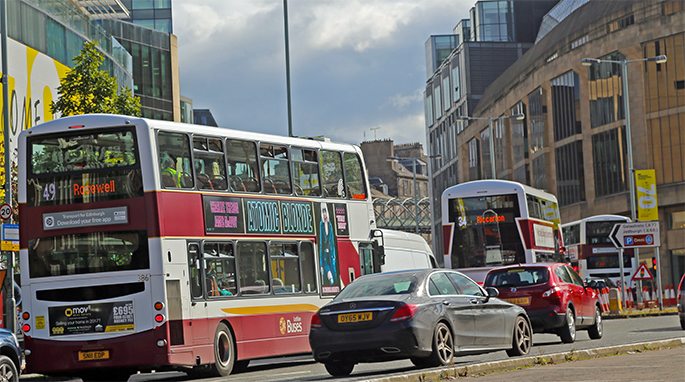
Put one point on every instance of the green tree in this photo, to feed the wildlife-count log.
(86, 89)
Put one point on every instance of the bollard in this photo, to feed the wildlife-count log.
(615, 301)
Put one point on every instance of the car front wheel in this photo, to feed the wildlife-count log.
(8, 371)
(522, 338)
(595, 331)
(339, 369)
(568, 331)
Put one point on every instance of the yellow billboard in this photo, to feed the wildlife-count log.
(647, 207)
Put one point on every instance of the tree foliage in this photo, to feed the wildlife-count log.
(86, 89)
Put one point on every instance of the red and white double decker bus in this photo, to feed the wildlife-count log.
(591, 251)
(146, 244)
(488, 223)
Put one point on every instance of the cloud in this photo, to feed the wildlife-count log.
(355, 64)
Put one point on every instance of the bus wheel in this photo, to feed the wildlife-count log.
(224, 351)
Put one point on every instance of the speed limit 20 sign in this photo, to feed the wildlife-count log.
(5, 211)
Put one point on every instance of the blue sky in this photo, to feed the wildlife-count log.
(355, 64)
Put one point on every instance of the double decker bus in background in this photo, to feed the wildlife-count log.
(147, 244)
(591, 251)
(488, 223)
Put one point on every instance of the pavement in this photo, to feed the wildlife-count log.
(633, 313)
(658, 365)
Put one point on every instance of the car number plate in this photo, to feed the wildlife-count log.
(348, 318)
(519, 300)
(93, 355)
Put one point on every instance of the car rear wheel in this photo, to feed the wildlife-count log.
(595, 331)
(522, 339)
(443, 347)
(568, 331)
(339, 369)
(8, 371)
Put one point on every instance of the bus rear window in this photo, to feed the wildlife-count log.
(88, 253)
(517, 277)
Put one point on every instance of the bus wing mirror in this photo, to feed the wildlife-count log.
(378, 254)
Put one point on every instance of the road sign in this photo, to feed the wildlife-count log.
(636, 235)
(10, 237)
(642, 273)
(5, 211)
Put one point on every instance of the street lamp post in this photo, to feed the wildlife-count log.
(518, 117)
(629, 142)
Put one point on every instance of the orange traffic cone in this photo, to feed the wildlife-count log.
(629, 299)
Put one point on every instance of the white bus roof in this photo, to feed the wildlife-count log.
(599, 218)
(110, 120)
(493, 187)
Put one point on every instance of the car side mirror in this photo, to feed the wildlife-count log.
(491, 292)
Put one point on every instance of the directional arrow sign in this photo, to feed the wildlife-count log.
(636, 235)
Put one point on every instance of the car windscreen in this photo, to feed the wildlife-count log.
(516, 277)
(379, 285)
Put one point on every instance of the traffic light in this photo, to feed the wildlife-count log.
(653, 265)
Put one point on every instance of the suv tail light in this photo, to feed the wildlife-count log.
(404, 312)
(316, 321)
(552, 292)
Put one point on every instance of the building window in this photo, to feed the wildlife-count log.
(485, 153)
(537, 112)
(519, 134)
(540, 175)
(621, 23)
(566, 105)
(428, 106)
(456, 83)
(474, 159)
(493, 21)
(437, 101)
(608, 156)
(605, 91)
(502, 157)
(677, 220)
(570, 180)
(446, 93)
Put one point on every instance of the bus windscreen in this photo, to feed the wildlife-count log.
(83, 167)
(485, 231)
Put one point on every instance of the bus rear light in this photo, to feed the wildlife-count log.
(77, 126)
(26, 328)
(159, 305)
(159, 318)
(316, 321)
(25, 316)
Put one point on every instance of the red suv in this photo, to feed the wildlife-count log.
(554, 296)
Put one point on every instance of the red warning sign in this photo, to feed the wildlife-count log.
(642, 273)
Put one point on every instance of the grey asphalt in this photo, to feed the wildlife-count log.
(303, 368)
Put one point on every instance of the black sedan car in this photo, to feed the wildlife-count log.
(425, 315)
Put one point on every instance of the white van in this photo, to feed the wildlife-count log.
(405, 250)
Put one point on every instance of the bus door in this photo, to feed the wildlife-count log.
(197, 309)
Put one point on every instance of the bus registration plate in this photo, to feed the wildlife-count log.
(348, 318)
(522, 301)
(93, 355)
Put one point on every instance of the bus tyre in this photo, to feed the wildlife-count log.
(224, 351)
(595, 331)
(240, 366)
(682, 323)
(8, 371)
(568, 331)
(339, 369)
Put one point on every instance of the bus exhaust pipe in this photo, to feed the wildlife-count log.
(390, 350)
